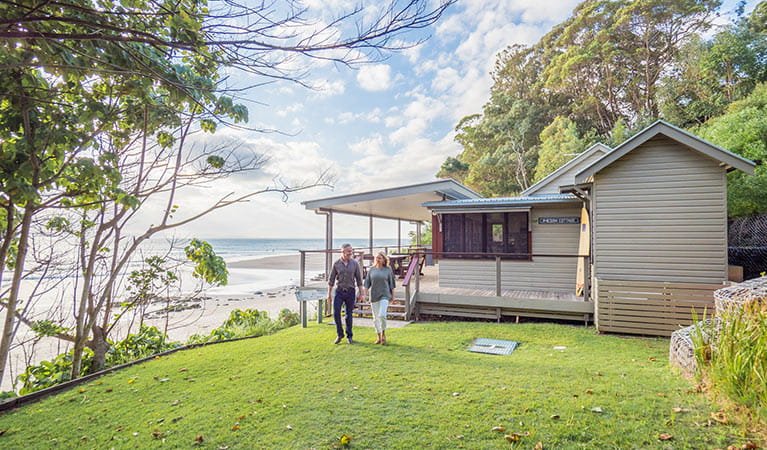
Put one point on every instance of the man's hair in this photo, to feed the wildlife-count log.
(347, 245)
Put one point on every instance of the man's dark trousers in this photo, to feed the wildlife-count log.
(348, 298)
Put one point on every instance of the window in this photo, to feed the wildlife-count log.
(480, 233)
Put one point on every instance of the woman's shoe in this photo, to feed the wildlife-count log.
(378, 340)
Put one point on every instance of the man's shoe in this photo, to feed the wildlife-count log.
(349, 340)
(337, 341)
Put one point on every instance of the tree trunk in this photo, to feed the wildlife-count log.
(8, 324)
(100, 346)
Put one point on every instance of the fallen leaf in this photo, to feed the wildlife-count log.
(599, 374)
(289, 428)
(235, 428)
(661, 394)
(183, 369)
(555, 416)
(108, 390)
(135, 433)
(157, 434)
(176, 419)
(651, 359)
(513, 437)
(750, 446)
(163, 380)
(132, 380)
(198, 440)
(344, 439)
(2, 432)
(499, 429)
(719, 417)
(458, 436)
(623, 374)
(538, 446)
(80, 391)
(589, 391)
(597, 409)
(120, 428)
(456, 394)
(175, 403)
(665, 437)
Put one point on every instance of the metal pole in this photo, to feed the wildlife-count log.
(302, 268)
(418, 234)
(399, 235)
(371, 235)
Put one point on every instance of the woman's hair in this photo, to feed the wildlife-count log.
(385, 259)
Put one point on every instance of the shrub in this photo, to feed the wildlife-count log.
(49, 373)
(735, 360)
(249, 322)
(148, 341)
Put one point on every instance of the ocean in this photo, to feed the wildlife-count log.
(247, 281)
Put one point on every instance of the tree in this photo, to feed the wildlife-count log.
(742, 129)
(559, 143)
(79, 84)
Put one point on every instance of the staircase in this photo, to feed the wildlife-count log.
(396, 309)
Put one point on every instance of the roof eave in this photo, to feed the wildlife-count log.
(661, 127)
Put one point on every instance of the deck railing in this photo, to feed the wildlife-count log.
(413, 271)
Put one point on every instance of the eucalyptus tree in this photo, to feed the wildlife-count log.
(78, 77)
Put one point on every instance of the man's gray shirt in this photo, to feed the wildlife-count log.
(346, 274)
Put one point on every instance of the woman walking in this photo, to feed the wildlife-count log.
(379, 287)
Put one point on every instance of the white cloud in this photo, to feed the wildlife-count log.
(294, 108)
(327, 88)
(369, 146)
(374, 77)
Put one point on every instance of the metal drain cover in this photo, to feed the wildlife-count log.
(493, 346)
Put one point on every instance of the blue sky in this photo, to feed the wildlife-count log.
(377, 125)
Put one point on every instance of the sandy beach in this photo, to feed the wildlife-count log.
(314, 262)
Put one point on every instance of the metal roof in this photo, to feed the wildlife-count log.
(403, 202)
(501, 202)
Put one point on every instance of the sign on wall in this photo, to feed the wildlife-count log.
(559, 220)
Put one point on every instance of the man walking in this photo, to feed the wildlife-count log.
(347, 272)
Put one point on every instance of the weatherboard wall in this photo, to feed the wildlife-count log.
(660, 214)
(543, 273)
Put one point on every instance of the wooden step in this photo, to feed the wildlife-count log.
(367, 305)
(367, 312)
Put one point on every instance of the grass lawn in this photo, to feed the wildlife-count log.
(295, 389)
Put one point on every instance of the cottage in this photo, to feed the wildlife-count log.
(633, 238)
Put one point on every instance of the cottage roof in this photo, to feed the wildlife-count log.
(728, 159)
(403, 202)
(565, 174)
(499, 203)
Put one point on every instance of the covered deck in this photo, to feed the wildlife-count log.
(420, 292)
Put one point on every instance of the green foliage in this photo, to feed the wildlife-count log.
(250, 322)
(49, 373)
(297, 377)
(147, 342)
(425, 236)
(215, 161)
(610, 68)
(734, 357)
(743, 130)
(288, 318)
(143, 284)
(559, 143)
(208, 266)
(48, 328)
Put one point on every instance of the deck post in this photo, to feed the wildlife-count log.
(498, 276)
(407, 302)
(328, 256)
(399, 235)
(417, 273)
(418, 234)
(586, 278)
(302, 268)
(371, 234)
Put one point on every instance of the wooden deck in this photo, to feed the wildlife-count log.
(432, 299)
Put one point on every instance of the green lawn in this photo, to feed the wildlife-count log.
(295, 389)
